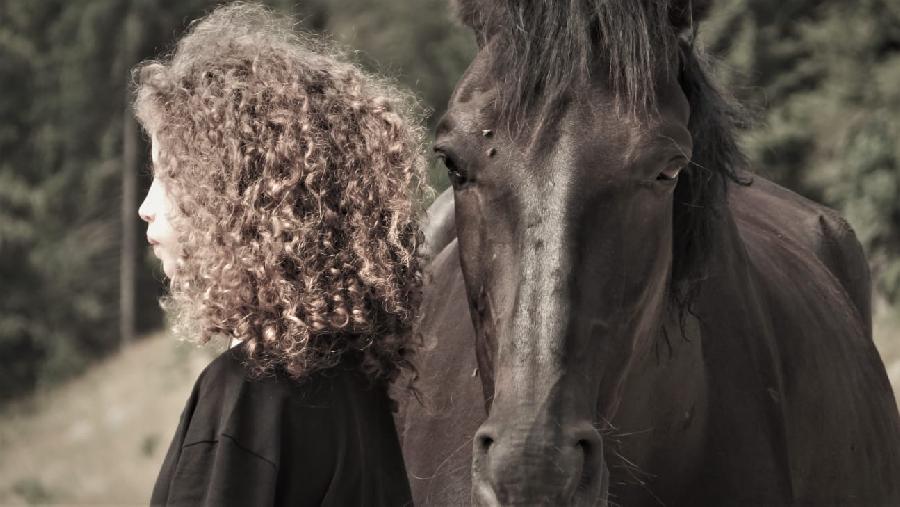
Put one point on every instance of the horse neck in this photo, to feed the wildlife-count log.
(673, 355)
(669, 385)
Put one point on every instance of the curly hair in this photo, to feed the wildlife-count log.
(299, 180)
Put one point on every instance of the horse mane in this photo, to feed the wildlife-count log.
(543, 49)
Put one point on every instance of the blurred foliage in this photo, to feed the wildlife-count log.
(824, 77)
(33, 492)
(59, 182)
(822, 73)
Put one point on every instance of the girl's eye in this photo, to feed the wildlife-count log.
(672, 170)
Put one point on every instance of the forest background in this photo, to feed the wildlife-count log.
(79, 287)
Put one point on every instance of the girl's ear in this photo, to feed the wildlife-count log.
(686, 15)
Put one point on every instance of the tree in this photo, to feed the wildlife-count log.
(824, 76)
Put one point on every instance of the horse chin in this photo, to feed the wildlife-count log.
(593, 494)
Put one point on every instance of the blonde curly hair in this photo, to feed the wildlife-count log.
(299, 180)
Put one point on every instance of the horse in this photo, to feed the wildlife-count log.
(618, 311)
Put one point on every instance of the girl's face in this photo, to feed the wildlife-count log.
(157, 210)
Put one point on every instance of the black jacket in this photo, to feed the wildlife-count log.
(327, 440)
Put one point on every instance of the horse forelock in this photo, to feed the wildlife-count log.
(544, 48)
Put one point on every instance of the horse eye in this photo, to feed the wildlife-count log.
(456, 175)
(671, 172)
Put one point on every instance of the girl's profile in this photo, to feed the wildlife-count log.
(285, 209)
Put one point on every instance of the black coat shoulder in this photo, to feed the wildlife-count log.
(328, 439)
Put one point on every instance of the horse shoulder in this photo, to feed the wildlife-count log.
(440, 224)
(436, 431)
(822, 232)
(813, 279)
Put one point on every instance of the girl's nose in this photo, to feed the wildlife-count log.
(144, 213)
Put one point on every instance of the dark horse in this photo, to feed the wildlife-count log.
(617, 311)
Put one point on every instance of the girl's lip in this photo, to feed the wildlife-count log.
(152, 241)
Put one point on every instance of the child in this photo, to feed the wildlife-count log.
(284, 211)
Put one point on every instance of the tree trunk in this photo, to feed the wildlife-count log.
(129, 234)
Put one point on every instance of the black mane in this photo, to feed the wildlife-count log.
(541, 50)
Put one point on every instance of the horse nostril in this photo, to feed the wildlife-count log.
(586, 476)
(586, 447)
(485, 442)
(591, 447)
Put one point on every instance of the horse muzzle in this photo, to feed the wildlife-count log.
(538, 464)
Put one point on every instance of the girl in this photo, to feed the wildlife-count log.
(283, 208)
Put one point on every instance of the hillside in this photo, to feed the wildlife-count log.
(887, 338)
(99, 440)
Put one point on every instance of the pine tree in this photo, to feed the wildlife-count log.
(824, 77)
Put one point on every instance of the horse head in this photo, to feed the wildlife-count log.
(582, 200)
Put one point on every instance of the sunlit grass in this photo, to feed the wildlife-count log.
(100, 438)
(887, 339)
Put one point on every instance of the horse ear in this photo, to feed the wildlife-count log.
(685, 15)
(473, 14)
(466, 11)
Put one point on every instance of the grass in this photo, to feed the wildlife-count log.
(100, 439)
(887, 339)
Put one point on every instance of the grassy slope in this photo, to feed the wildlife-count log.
(887, 339)
(100, 439)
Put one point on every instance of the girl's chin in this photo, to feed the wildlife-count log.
(167, 265)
